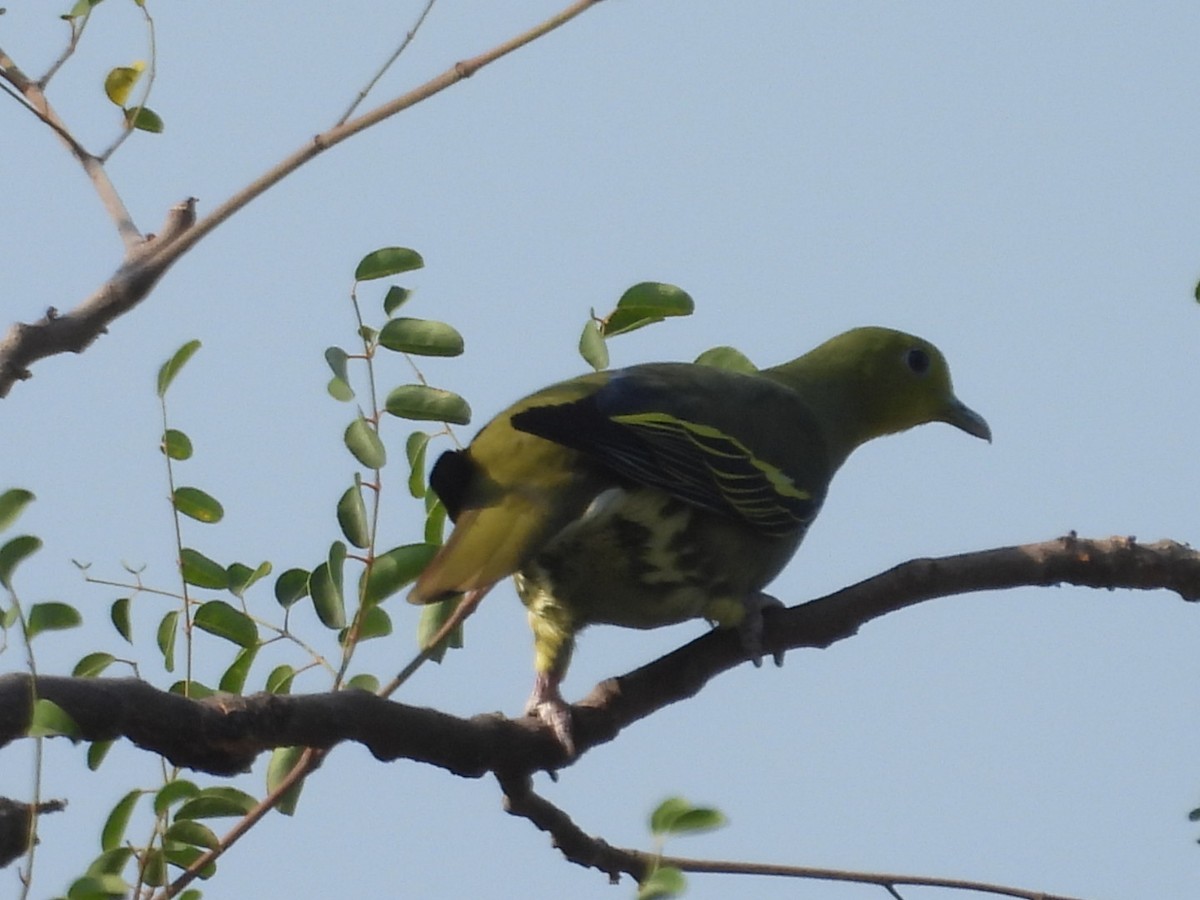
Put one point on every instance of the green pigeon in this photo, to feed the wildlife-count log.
(663, 492)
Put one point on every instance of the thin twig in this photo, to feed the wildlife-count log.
(408, 39)
(886, 880)
(77, 26)
(145, 263)
(37, 103)
(592, 852)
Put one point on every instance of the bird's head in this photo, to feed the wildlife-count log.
(878, 381)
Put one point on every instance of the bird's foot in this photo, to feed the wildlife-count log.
(547, 704)
(751, 628)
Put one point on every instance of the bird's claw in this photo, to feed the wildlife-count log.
(547, 705)
(751, 628)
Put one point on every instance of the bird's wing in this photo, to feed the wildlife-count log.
(738, 445)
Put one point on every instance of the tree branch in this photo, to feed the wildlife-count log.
(595, 853)
(223, 734)
(145, 264)
(36, 102)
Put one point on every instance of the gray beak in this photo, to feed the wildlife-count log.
(962, 416)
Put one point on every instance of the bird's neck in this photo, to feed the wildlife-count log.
(834, 388)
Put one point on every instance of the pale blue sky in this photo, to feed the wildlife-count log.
(1017, 182)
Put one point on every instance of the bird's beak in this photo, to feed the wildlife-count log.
(962, 416)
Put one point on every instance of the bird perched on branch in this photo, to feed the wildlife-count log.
(663, 492)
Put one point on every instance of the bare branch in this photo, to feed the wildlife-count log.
(408, 39)
(36, 102)
(25, 344)
(579, 847)
(888, 881)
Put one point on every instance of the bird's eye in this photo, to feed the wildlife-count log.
(917, 361)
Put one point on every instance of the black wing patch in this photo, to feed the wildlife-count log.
(697, 462)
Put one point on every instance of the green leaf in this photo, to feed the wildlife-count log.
(121, 620)
(728, 358)
(364, 682)
(176, 444)
(171, 367)
(225, 621)
(592, 347)
(339, 386)
(98, 887)
(363, 442)
(144, 119)
(119, 82)
(280, 679)
(110, 862)
(189, 831)
(665, 814)
(193, 689)
(283, 760)
(12, 503)
(662, 883)
(435, 523)
(677, 816)
(391, 571)
(340, 390)
(352, 515)
(414, 449)
(172, 793)
(336, 357)
(233, 681)
(201, 571)
(96, 752)
(698, 819)
(421, 337)
(153, 867)
(291, 586)
(394, 299)
(12, 553)
(52, 617)
(215, 803)
(327, 597)
(167, 632)
(184, 857)
(198, 505)
(424, 403)
(112, 835)
(644, 304)
(50, 720)
(387, 261)
(433, 617)
(242, 576)
(374, 623)
(92, 665)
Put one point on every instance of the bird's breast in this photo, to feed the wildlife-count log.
(640, 558)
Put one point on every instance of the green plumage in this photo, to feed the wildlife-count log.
(668, 491)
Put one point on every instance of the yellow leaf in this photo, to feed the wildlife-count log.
(118, 83)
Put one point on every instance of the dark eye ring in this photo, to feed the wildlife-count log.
(917, 361)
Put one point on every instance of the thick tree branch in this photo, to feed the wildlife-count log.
(145, 264)
(225, 733)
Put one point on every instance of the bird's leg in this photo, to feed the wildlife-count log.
(750, 629)
(547, 704)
